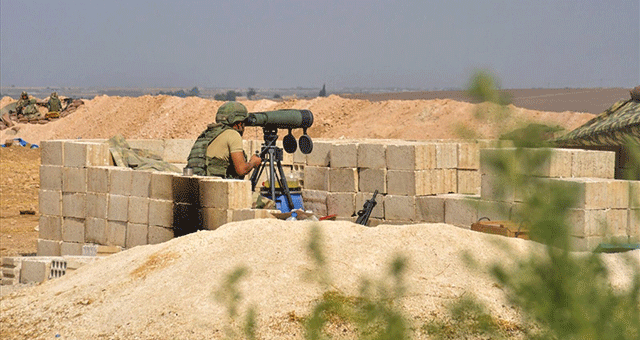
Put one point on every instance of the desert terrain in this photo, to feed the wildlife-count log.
(167, 291)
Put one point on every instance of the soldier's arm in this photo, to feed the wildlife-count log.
(243, 167)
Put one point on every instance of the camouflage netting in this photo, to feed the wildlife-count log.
(138, 159)
(613, 127)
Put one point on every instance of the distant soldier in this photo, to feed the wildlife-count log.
(54, 104)
(26, 107)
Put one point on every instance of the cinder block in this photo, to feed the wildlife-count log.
(634, 194)
(74, 204)
(136, 234)
(50, 202)
(593, 164)
(141, 183)
(617, 222)
(320, 154)
(591, 193)
(98, 179)
(408, 183)
(372, 155)
(154, 146)
(318, 208)
(177, 150)
(494, 189)
(97, 205)
(446, 155)
(185, 189)
(494, 210)
(35, 270)
(161, 186)
(70, 248)
(48, 247)
(343, 180)
(489, 157)
(587, 222)
(469, 155)
(11, 267)
(344, 155)
(299, 157)
(460, 210)
(159, 234)
(449, 181)
(315, 201)
(341, 203)
(633, 225)
(224, 193)
(435, 179)
(316, 178)
(95, 230)
(370, 180)
(469, 182)
(399, 208)
(215, 217)
(52, 152)
(120, 181)
(118, 208)
(138, 210)
(74, 179)
(73, 229)
(411, 156)
(378, 209)
(558, 162)
(50, 227)
(430, 209)
(51, 177)
(85, 154)
(243, 214)
(160, 213)
(116, 233)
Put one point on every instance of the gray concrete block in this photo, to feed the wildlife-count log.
(120, 181)
(494, 210)
(213, 218)
(50, 202)
(343, 180)
(97, 205)
(399, 207)
(320, 156)
(372, 155)
(73, 229)
(116, 233)
(617, 223)
(85, 154)
(460, 210)
(634, 194)
(48, 247)
(51, 177)
(159, 234)
(50, 227)
(74, 179)
(469, 155)
(138, 210)
(98, 179)
(341, 203)
(344, 155)
(95, 231)
(160, 213)
(408, 182)
(161, 186)
(224, 193)
(70, 248)
(74, 205)
(316, 178)
(593, 164)
(318, 208)
(493, 188)
(446, 155)
(35, 271)
(52, 152)
(633, 225)
(468, 182)
(411, 156)
(370, 180)
(118, 208)
(137, 235)
(177, 150)
(430, 209)
(141, 183)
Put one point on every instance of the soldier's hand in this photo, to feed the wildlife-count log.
(255, 161)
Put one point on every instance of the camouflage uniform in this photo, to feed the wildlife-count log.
(54, 104)
(228, 114)
(26, 107)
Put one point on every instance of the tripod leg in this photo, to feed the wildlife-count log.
(272, 175)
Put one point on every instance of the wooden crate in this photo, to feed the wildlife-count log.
(504, 228)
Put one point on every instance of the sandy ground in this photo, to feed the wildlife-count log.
(166, 291)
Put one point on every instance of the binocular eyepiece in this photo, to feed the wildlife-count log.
(285, 119)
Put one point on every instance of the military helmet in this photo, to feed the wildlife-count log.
(24, 94)
(231, 112)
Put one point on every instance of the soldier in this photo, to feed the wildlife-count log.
(54, 104)
(218, 150)
(26, 107)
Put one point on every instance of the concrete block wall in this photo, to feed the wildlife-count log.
(86, 202)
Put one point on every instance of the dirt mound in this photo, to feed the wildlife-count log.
(166, 291)
(168, 117)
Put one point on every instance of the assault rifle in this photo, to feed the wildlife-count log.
(363, 215)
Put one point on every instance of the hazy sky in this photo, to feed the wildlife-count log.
(346, 43)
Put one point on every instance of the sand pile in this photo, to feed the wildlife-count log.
(166, 291)
(166, 117)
